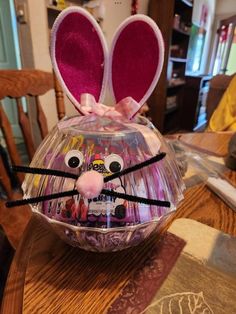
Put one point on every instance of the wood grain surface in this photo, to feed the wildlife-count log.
(209, 142)
(76, 281)
(14, 220)
(18, 83)
(47, 276)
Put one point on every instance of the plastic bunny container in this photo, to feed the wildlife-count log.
(104, 180)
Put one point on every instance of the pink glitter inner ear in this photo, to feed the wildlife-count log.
(135, 61)
(80, 56)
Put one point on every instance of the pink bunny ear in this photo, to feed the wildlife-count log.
(137, 57)
(79, 55)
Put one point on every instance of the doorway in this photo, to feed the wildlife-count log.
(224, 61)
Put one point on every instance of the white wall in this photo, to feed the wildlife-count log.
(40, 41)
(116, 12)
(226, 7)
(211, 4)
(39, 35)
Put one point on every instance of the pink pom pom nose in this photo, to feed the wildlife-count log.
(90, 184)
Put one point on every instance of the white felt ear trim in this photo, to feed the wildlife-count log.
(157, 32)
(55, 27)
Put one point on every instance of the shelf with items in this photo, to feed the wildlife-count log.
(181, 27)
(171, 103)
(54, 8)
(177, 72)
(96, 8)
(171, 110)
(179, 46)
(180, 38)
(181, 31)
(182, 14)
(57, 5)
(174, 17)
(188, 2)
(177, 60)
(174, 59)
(175, 83)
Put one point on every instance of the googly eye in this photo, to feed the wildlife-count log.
(114, 163)
(74, 159)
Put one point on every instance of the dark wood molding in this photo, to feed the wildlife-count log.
(161, 12)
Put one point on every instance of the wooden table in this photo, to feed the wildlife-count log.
(40, 250)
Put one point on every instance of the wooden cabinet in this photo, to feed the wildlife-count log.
(193, 109)
(174, 18)
(161, 12)
(181, 25)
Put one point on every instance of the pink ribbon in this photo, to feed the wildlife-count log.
(126, 108)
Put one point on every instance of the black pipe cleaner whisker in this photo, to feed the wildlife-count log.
(48, 197)
(64, 174)
(42, 198)
(136, 199)
(43, 171)
(60, 173)
(135, 167)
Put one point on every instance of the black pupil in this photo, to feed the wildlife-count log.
(73, 162)
(115, 166)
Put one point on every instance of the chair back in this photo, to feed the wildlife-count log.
(218, 86)
(30, 84)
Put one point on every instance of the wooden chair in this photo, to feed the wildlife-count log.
(218, 86)
(31, 84)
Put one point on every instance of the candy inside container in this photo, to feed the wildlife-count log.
(104, 180)
(105, 223)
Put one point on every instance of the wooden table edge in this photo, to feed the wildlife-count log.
(16, 277)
